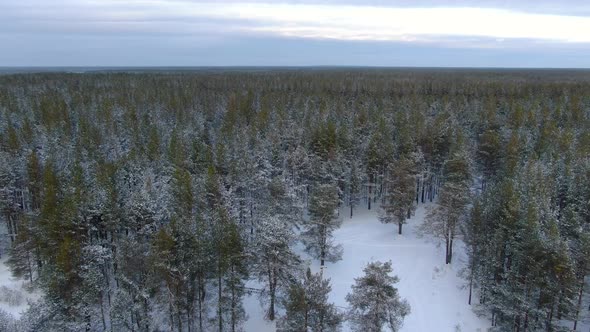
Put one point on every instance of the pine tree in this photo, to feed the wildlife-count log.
(354, 187)
(35, 179)
(443, 219)
(173, 254)
(100, 191)
(95, 286)
(228, 257)
(231, 273)
(378, 154)
(489, 154)
(134, 277)
(11, 141)
(283, 202)
(473, 230)
(401, 191)
(180, 257)
(307, 307)
(317, 234)
(11, 208)
(375, 302)
(274, 263)
(23, 260)
(582, 256)
(50, 221)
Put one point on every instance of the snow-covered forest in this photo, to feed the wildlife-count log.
(295, 200)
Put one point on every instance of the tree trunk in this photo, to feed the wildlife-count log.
(145, 311)
(30, 267)
(549, 320)
(271, 309)
(399, 229)
(447, 250)
(323, 246)
(219, 307)
(305, 320)
(380, 190)
(189, 321)
(201, 297)
(179, 323)
(470, 286)
(11, 228)
(251, 217)
(132, 321)
(138, 321)
(104, 324)
(423, 186)
(493, 318)
(579, 304)
(369, 193)
(233, 302)
(450, 250)
(526, 313)
(272, 293)
(171, 319)
(417, 190)
(190, 298)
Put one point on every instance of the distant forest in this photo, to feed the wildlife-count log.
(144, 201)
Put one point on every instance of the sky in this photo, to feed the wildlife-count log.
(405, 33)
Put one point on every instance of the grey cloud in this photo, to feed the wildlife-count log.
(89, 33)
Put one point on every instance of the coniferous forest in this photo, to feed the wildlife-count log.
(159, 200)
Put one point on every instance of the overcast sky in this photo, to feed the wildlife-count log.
(490, 33)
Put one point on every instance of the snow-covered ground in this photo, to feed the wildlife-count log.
(436, 293)
(14, 298)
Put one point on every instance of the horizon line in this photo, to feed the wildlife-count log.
(198, 67)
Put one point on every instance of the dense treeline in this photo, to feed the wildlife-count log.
(146, 201)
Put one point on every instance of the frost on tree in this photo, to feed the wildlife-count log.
(307, 307)
(323, 221)
(273, 261)
(444, 218)
(375, 302)
(109, 208)
(400, 184)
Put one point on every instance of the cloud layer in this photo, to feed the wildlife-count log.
(460, 25)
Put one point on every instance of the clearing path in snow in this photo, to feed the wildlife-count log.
(436, 293)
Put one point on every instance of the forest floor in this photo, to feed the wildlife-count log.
(14, 296)
(436, 293)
